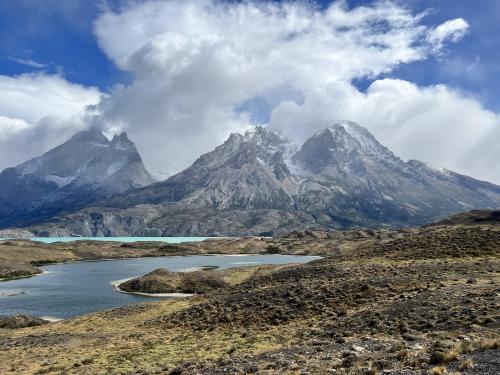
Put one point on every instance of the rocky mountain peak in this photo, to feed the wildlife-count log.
(267, 143)
(350, 136)
(264, 137)
(122, 141)
(256, 146)
(92, 134)
(342, 145)
(254, 182)
(88, 157)
(85, 168)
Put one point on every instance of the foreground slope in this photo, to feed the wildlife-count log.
(84, 169)
(420, 300)
(261, 183)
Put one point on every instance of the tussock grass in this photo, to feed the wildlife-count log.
(439, 370)
(465, 365)
(438, 357)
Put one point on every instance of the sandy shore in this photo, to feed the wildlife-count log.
(51, 319)
(199, 268)
(116, 287)
(11, 293)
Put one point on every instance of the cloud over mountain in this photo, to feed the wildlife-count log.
(198, 63)
(38, 112)
(434, 124)
(202, 69)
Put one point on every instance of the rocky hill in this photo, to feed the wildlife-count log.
(86, 168)
(261, 183)
(471, 218)
(164, 281)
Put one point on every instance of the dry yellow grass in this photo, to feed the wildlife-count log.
(390, 305)
(439, 370)
(465, 365)
(489, 344)
(451, 356)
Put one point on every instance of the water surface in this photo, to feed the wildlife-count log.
(121, 239)
(71, 289)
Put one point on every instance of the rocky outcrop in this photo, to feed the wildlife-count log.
(16, 269)
(21, 321)
(472, 218)
(165, 282)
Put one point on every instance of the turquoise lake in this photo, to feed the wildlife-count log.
(119, 239)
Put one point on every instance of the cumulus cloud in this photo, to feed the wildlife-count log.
(433, 124)
(10, 127)
(200, 68)
(198, 65)
(38, 112)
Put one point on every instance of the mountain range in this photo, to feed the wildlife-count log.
(257, 183)
(86, 168)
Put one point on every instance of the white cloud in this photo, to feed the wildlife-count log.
(433, 124)
(452, 30)
(34, 96)
(38, 112)
(28, 62)
(10, 127)
(482, 159)
(194, 62)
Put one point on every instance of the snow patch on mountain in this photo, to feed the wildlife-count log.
(341, 177)
(86, 168)
(60, 181)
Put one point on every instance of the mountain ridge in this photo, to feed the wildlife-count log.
(86, 168)
(260, 182)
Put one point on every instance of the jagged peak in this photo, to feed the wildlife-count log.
(92, 134)
(343, 143)
(121, 141)
(255, 131)
(348, 124)
(234, 138)
(260, 134)
(123, 137)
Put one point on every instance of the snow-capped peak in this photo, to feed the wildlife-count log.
(87, 158)
(262, 135)
(354, 136)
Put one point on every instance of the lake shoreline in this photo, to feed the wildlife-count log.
(117, 283)
(43, 271)
(402, 300)
(29, 257)
(116, 287)
(28, 262)
(78, 288)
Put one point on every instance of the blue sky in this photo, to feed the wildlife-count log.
(426, 87)
(59, 34)
(470, 65)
